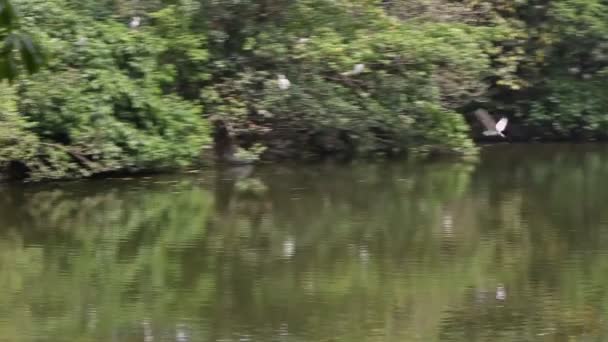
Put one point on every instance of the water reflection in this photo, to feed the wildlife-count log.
(512, 248)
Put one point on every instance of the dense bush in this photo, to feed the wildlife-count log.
(574, 75)
(414, 77)
(559, 54)
(100, 105)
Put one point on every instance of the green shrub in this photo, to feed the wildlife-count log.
(102, 103)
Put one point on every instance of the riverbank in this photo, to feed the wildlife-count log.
(221, 166)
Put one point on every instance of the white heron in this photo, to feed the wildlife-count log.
(492, 127)
(135, 22)
(283, 82)
(357, 69)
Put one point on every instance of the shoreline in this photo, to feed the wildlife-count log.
(337, 158)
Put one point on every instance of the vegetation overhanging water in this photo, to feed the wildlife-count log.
(131, 85)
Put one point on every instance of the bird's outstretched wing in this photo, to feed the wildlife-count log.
(486, 120)
(502, 124)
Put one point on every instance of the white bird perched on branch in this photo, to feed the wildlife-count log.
(357, 69)
(135, 22)
(283, 82)
(492, 127)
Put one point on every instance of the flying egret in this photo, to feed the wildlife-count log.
(492, 127)
(283, 82)
(134, 23)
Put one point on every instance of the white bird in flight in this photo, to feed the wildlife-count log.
(283, 82)
(492, 127)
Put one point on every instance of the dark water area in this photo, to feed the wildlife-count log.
(511, 247)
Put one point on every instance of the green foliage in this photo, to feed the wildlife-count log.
(16, 143)
(29, 55)
(573, 108)
(326, 110)
(574, 74)
(105, 102)
(555, 54)
(17, 48)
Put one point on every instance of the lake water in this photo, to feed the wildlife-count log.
(512, 247)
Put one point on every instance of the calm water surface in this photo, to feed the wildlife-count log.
(513, 247)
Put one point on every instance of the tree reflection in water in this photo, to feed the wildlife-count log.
(396, 251)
